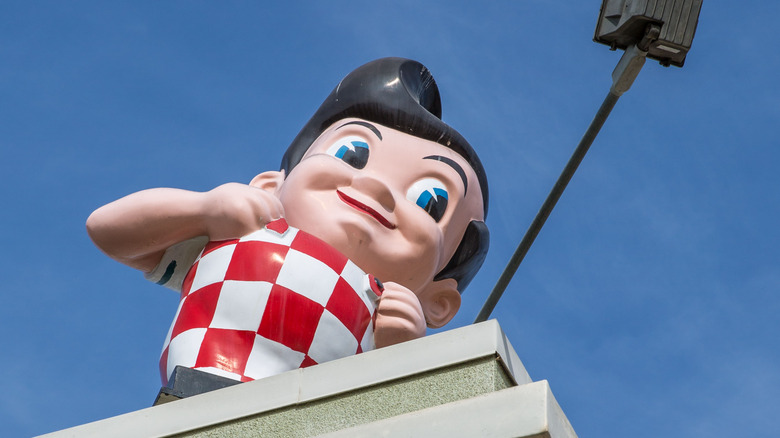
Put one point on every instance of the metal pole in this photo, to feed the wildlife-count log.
(623, 77)
(547, 207)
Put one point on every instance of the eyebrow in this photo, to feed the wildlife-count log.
(455, 166)
(365, 125)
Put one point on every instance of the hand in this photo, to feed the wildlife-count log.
(399, 316)
(233, 210)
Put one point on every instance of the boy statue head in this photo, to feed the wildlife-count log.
(392, 104)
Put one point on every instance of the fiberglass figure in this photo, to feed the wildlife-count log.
(366, 236)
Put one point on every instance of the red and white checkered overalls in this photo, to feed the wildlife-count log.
(272, 301)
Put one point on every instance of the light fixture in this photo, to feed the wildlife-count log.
(623, 23)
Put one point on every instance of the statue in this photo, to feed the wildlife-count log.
(366, 235)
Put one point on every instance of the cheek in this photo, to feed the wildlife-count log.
(320, 172)
(423, 237)
(312, 178)
(422, 263)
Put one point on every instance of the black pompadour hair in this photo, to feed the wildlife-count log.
(401, 94)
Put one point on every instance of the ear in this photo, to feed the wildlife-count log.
(271, 181)
(440, 302)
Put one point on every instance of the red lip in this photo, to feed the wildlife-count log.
(365, 209)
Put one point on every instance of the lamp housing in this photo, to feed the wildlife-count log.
(622, 23)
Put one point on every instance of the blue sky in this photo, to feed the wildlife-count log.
(649, 301)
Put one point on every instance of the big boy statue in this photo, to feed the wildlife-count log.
(366, 235)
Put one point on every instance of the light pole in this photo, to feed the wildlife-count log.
(659, 29)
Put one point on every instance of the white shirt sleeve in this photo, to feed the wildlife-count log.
(176, 262)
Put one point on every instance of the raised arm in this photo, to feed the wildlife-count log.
(137, 229)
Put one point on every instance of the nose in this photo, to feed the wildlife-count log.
(376, 190)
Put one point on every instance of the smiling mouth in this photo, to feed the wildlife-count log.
(365, 209)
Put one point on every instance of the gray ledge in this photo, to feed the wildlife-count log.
(426, 377)
(528, 410)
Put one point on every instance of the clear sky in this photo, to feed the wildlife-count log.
(649, 302)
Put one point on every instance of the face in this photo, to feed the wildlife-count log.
(395, 204)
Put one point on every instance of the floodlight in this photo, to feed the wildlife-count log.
(622, 23)
(659, 29)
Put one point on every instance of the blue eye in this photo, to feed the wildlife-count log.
(352, 150)
(430, 195)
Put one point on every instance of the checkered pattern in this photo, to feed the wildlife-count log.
(272, 301)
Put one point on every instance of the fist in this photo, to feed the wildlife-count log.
(399, 316)
(233, 210)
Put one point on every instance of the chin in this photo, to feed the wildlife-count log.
(349, 237)
(366, 243)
